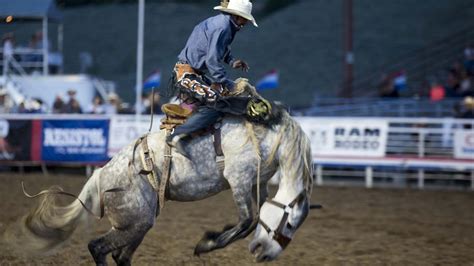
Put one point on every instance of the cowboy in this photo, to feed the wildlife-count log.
(206, 50)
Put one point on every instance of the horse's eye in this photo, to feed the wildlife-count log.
(289, 226)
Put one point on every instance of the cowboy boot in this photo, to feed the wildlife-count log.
(178, 142)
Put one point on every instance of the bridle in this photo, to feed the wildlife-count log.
(277, 234)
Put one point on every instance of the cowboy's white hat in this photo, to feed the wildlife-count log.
(242, 8)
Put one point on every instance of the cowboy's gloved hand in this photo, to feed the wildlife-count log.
(217, 87)
(240, 64)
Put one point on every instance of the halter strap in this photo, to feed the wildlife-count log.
(276, 234)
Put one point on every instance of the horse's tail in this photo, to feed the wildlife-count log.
(48, 224)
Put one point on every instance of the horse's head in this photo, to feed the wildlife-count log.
(280, 217)
(277, 225)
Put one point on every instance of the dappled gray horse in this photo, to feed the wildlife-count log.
(131, 209)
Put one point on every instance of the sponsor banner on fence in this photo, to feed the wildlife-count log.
(365, 138)
(15, 140)
(75, 140)
(124, 130)
(464, 144)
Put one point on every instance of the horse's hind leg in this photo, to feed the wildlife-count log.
(128, 238)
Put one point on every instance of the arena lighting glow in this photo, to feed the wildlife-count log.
(9, 19)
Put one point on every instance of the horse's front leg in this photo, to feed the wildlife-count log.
(242, 194)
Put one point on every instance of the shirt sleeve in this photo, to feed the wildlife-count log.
(229, 58)
(216, 54)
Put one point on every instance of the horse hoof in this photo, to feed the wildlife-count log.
(204, 246)
(210, 236)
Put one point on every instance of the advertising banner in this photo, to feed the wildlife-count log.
(464, 144)
(75, 140)
(15, 140)
(124, 130)
(364, 137)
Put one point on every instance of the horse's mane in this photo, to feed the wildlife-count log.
(244, 88)
(292, 147)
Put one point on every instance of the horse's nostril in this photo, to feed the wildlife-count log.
(263, 258)
(255, 248)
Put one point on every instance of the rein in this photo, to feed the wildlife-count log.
(151, 108)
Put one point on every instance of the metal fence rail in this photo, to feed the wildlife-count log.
(419, 152)
(376, 107)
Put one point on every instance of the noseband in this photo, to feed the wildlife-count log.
(277, 234)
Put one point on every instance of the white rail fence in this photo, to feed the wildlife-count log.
(414, 151)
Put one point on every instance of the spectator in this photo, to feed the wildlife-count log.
(21, 109)
(35, 54)
(113, 106)
(467, 108)
(466, 88)
(152, 100)
(437, 92)
(469, 60)
(453, 86)
(33, 106)
(466, 111)
(387, 88)
(37, 41)
(73, 106)
(6, 105)
(33, 44)
(97, 106)
(8, 43)
(39, 106)
(58, 105)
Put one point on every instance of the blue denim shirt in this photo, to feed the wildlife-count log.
(208, 47)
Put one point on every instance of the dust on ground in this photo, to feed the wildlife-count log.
(357, 226)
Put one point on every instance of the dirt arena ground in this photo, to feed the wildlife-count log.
(356, 227)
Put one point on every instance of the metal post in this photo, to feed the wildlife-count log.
(61, 45)
(319, 175)
(472, 180)
(369, 177)
(45, 46)
(421, 178)
(6, 62)
(421, 144)
(139, 78)
(421, 154)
